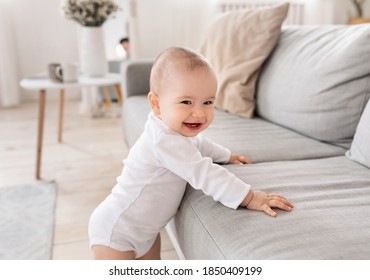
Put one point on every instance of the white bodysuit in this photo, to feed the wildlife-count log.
(152, 184)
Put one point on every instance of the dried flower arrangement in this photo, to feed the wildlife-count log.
(89, 12)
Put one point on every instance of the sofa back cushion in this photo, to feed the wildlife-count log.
(317, 81)
(360, 148)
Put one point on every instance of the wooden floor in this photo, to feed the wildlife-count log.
(85, 166)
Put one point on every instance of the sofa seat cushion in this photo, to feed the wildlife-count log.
(330, 219)
(317, 81)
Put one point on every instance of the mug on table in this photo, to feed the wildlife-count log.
(63, 72)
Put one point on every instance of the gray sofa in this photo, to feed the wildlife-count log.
(310, 96)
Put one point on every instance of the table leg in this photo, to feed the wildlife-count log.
(117, 90)
(107, 99)
(42, 98)
(60, 117)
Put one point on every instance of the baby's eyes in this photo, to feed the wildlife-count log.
(188, 102)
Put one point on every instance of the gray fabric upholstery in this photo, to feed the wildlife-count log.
(264, 141)
(317, 81)
(136, 76)
(330, 220)
(135, 87)
(134, 115)
(360, 148)
(311, 94)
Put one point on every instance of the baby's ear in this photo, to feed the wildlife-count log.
(154, 103)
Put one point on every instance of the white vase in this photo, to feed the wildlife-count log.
(93, 61)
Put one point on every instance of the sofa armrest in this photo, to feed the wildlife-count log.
(136, 75)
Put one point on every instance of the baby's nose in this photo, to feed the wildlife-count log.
(198, 113)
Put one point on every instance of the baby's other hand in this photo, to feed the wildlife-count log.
(238, 159)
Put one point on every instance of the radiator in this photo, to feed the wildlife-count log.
(295, 14)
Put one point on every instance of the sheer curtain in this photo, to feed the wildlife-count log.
(9, 77)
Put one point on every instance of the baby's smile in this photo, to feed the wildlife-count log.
(193, 126)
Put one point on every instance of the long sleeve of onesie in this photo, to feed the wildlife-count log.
(183, 156)
(208, 148)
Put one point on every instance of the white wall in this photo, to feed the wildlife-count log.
(43, 35)
(156, 25)
(330, 11)
(115, 29)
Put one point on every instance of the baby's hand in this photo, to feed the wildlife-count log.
(261, 201)
(237, 159)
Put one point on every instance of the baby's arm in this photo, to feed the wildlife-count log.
(262, 201)
(219, 153)
(238, 159)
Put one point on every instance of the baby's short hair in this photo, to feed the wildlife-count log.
(175, 59)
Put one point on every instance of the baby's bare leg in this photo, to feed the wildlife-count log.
(106, 253)
(154, 252)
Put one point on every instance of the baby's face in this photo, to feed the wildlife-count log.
(186, 101)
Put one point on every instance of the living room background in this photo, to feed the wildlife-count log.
(35, 33)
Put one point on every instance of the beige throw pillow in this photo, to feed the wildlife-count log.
(237, 44)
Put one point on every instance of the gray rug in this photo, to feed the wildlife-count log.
(27, 221)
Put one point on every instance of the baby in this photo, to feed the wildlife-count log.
(170, 153)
